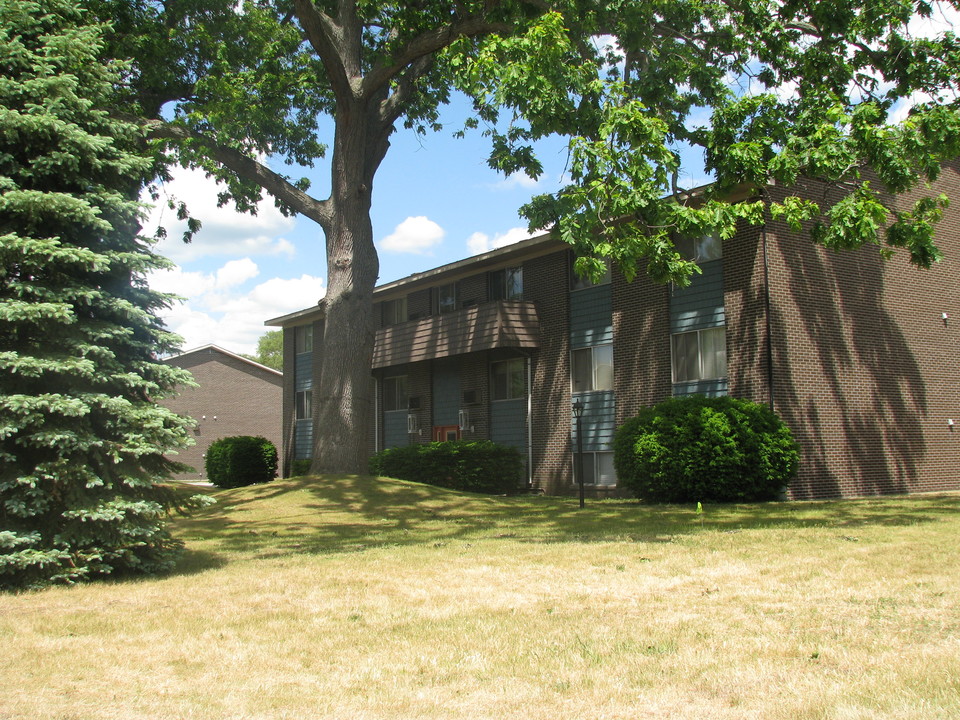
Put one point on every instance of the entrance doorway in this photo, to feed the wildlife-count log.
(446, 433)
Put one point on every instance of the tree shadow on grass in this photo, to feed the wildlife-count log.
(343, 514)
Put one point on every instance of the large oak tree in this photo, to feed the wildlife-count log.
(767, 90)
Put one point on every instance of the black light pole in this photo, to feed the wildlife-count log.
(578, 414)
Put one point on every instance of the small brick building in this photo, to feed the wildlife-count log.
(236, 396)
(859, 355)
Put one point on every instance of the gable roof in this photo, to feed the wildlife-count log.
(211, 348)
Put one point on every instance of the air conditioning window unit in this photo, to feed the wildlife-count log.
(470, 397)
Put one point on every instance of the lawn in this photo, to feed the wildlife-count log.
(358, 598)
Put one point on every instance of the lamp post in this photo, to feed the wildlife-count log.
(578, 414)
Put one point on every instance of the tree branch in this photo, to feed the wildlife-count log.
(327, 39)
(426, 44)
(246, 168)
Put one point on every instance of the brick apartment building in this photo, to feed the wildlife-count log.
(859, 355)
(236, 396)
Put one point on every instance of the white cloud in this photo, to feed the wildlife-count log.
(518, 180)
(224, 231)
(481, 242)
(221, 309)
(415, 235)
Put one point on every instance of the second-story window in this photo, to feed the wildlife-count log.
(395, 311)
(507, 284)
(303, 338)
(700, 249)
(447, 298)
(593, 368)
(581, 282)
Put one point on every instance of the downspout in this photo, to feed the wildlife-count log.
(529, 425)
(376, 415)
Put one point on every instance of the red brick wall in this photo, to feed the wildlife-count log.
(545, 282)
(234, 397)
(864, 365)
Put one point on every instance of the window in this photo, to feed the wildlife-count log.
(702, 249)
(395, 311)
(509, 379)
(507, 284)
(304, 404)
(395, 393)
(593, 368)
(303, 338)
(447, 298)
(700, 355)
(597, 468)
(580, 282)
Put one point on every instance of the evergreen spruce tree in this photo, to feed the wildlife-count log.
(81, 436)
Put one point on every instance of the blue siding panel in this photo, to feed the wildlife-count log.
(446, 394)
(599, 421)
(508, 423)
(303, 439)
(710, 388)
(591, 316)
(700, 305)
(395, 429)
(303, 371)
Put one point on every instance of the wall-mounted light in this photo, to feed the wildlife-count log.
(945, 318)
(214, 417)
(950, 424)
(413, 424)
(203, 417)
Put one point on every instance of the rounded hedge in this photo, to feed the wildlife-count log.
(241, 460)
(695, 448)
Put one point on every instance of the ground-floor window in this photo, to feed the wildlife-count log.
(597, 468)
(304, 402)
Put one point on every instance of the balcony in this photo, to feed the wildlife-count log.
(490, 325)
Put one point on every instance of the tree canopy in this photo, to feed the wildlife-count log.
(270, 350)
(766, 90)
(81, 436)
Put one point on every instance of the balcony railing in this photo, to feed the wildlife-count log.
(498, 324)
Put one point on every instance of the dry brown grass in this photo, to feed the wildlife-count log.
(352, 598)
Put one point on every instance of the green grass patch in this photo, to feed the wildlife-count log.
(371, 598)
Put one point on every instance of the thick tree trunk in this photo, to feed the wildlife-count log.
(344, 394)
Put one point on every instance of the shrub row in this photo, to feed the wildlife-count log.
(241, 460)
(480, 466)
(694, 448)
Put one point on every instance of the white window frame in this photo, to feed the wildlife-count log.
(704, 338)
(304, 405)
(600, 380)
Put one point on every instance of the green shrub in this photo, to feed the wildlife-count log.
(300, 467)
(241, 460)
(694, 448)
(481, 466)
